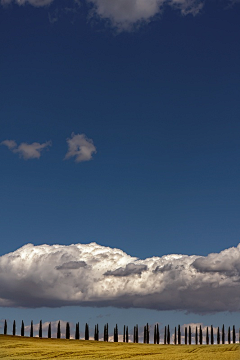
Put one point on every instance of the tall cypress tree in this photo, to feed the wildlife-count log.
(207, 337)
(77, 335)
(223, 334)
(127, 334)
(97, 333)
(49, 330)
(200, 335)
(185, 335)
(86, 332)
(134, 334)
(196, 336)
(59, 331)
(14, 328)
(165, 335)
(218, 336)
(31, 329)
(155, 334)
(96, 337)
(179, 335)
(229, 335)
(212, 337)
(147, 333)
(40, 329)
(233, 335)
(189, 335)
(137, 333)
(175, 336)
(22, 329)
(115, 336)
(124, 333)
(158, 336)
(67, 331)
(5, 327)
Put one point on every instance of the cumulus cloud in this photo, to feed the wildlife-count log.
(123, 14)
(26, 151)
(94, 275)
(80, 147)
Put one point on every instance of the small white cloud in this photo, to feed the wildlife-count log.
(123, 14)
(80, 147)
(36, 3)
(26, 151)
(11, 144)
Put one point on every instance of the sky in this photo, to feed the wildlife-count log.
(119, 161)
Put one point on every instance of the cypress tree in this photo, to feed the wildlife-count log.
(233, 335)
(67, 331)
(185, 335)
(175, 336)
(116, 334)
(137, 334)
(124, 333)
(134, 334)
(196, 336)
(5, 327)
(189, 335)
(86, 332)
(97, 333)
(158, 336)
(212, 337)
(127, 334)
(218, 336)
(179, 335)
(14, 328)
(147, 333)
(155, 335)
(40, 329)
(165, 335)
(49, 330)
(207, 337)
(77, 332)
(31, 329)
(200, 335)
(22, 329)
(229, 335)
(223, 335)
(59, 331)
(168, 335)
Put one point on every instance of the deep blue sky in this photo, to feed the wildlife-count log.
(161, 105)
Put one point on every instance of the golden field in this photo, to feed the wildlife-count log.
(20, 348)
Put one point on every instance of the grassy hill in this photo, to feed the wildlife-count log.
(23, 348)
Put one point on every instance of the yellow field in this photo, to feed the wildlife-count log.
(33, 348)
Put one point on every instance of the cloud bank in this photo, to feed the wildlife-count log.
(80, 147)
(26, 151)
(94, 275)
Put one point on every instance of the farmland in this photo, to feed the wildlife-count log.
(20, 348)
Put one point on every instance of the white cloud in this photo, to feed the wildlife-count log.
(90, 275)
(36, 3)
(80, 147)
(123, 14)
(26, 151)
